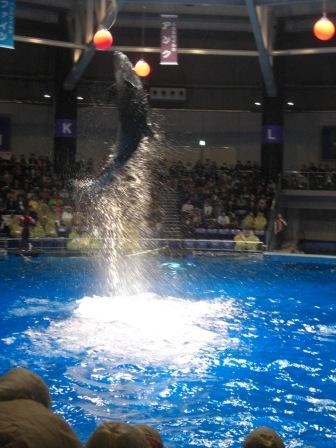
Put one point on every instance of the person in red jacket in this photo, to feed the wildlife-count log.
(279, 228)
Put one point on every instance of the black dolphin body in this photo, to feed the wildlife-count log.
(133, 109)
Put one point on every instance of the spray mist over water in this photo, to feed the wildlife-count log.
(119, 219)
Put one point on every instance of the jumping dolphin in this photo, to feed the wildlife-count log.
(134, 126)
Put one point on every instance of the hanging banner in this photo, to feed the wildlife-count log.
(7, 13)
(168, 39)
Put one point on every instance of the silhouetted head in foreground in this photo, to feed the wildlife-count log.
(122, 435)
(263, 437)
(20, 383)
(26, 420)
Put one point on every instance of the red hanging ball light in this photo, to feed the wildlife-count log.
(102, 40)
(324, 29)
(142, 68)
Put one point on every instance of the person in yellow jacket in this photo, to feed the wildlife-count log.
(240, 241)
(15, 227)
(260, 221)
(38, 231)
(48, 224)
(83, 242)
(34, 203)
(248, 221)
(252, 241)
(43, 210)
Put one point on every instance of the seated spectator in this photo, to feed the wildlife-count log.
(56, 204)
(187, 207)
(38, 231)
(207, 209)
(196, 217)
(62, 229)
(4, 228)
(43, 210)
(249, 221)
(67, 215)
(15, 227)
(240, 240)
(263, 437)
(49, 226)
(234, 222)
(223, 220)
(33, 202)
(260, 221)
(253, 242)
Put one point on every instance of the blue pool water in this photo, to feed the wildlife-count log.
(206, 351)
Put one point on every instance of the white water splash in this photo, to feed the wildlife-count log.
(143, 329)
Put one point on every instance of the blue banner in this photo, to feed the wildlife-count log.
(7, 14)
(5, 133)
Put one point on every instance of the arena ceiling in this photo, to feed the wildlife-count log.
(221, 42)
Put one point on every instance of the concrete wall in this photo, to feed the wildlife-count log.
(303, 138)
(32, 127)
(229, 136)
(318, 225)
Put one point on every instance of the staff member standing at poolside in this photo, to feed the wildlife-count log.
(279, 228)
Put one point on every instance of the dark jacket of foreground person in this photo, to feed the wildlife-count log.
(26, 420)
(122, 435)
(263, 437)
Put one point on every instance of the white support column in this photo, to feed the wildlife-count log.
(262, 39)
(89, 23)
(78, 37)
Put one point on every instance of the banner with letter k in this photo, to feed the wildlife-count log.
(7, 17)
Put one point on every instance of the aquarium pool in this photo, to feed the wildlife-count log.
(205, 351)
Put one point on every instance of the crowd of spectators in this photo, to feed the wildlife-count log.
(217, 201)
(310, 177)
(35, 201)
(222, 197)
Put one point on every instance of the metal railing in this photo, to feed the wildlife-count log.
(312, 180)
(145, 245)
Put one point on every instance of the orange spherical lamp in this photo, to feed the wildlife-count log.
(142, 68)
(324, 29)
(102, 40)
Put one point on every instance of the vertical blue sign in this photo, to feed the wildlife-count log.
(5, 133)
(7, 14)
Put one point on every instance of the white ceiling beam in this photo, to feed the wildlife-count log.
(260, 37)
